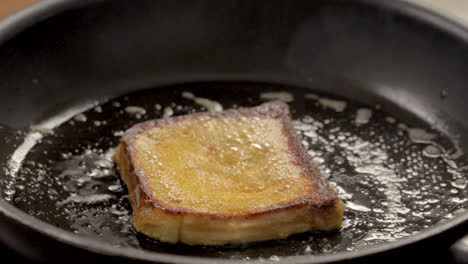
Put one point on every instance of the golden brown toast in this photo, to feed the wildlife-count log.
(226, 177)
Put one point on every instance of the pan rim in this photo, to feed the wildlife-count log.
(95, 246)
(22, 19)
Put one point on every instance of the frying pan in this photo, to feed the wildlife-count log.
(61, 58)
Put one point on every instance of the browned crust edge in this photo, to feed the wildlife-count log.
(324, 198)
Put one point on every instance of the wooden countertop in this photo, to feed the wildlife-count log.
(10, 6)
(457, 9)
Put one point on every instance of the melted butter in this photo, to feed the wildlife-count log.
(337, 105)
(282, 96)
(135, 110)
(419, 135)
(363, 115)
(210, 105)
(221, 165)
(357, 207)
(94, 198)
(431, 151)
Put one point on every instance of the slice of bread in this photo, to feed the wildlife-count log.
(226, 177)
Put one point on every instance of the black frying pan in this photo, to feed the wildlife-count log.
(67, 82)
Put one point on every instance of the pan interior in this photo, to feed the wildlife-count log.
(396, 177)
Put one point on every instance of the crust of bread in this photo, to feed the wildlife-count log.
(319, 210)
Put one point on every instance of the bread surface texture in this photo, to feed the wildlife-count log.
(215, 178)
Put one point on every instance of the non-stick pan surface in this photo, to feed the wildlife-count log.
(376, 95)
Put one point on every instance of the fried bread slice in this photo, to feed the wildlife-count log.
(235, 176)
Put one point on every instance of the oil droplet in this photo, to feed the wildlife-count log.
(210, 105)
(443, 93)
(403, 210)
(459, 200)
(94, 198)
(118, 133)
(318, 160)
(168, 112)
(337, 105)
(114, 188)
(9, 192)
(135, 110)
(357, 207)
(258, 146)
(402, 126)
(419, 135)
(459, 183)
(43, 130)
(98, 109)
(432, 151)
(390, 119)
(282, 96)
(80, 118)
(363, 115)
